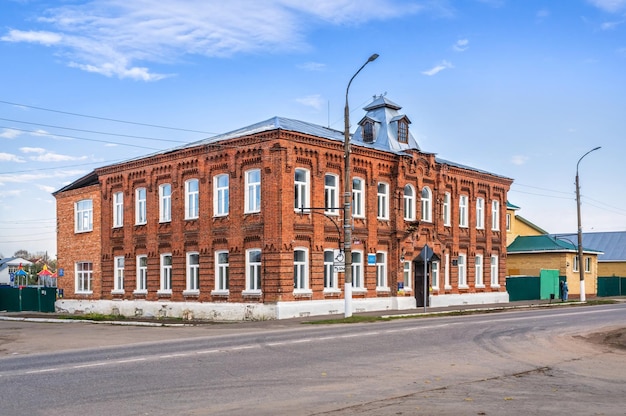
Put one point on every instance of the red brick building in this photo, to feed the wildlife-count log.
(246, 225)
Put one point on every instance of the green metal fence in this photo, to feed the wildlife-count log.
(35, 299)
(611, 286)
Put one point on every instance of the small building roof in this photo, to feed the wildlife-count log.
(544, 244)
(612, 244)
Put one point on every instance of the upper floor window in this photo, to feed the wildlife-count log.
(409, 203)
(253, 191)
(383, 201)
(358, 190)
(301, 189)
(84, 216)
(165, 202)
(480, 213)
(220, 195)
(495, 215)
(300, 270)
(368, 131)
(192, 199)
(84, 277)
(463, 212)
(427, 204)
(118, 209)
(403, 131)
(221, 270)
(331, 194)
(446, 211)
(253, 270)
(140, 206)
(508, 221)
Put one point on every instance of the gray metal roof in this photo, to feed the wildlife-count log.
(611, 243)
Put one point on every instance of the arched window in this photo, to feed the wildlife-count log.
(427, 206)
(409, 203)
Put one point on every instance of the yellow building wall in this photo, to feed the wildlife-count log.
(617, 268)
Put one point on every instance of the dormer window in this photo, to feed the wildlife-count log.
(403, 131)
(368, 132)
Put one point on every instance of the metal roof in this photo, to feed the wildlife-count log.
(611, 243)
(545, 244)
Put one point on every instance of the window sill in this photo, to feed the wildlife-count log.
(463, 287)
(252, 293)
(359, 290)
(331, 291)
(496, 286)
(140, 292)
(191, 293)
(164, 293)
(384, 289)
(220, 293)
(85, 293)
(302, 293)
(118, 292)
(479, 286)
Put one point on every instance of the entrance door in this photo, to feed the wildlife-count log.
(418, 288)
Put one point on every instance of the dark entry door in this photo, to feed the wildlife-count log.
(418, 287)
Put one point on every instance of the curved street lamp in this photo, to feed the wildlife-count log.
(347, 195)
(581, 269)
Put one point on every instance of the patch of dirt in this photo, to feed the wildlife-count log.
(615, 338)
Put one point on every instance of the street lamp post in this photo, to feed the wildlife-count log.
(581, 269)
(347, 195)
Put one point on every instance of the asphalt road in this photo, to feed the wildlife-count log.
(545, 361)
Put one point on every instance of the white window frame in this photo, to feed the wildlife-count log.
(382, 196)
(495, 215)
(221, 194)
(118, 274)
(141, 214)
(407, 274)
(480, 213)
(166, 273)
(142, 274)
(508, 221)
(434, 275)
(587, 264)
(83, 270)
(83, 216)
(302, 189)
(381, 271)
(253, 270)
(576, 264)
(409, 202)
(447, 209)
(301, 271)
(426, 204)
(494, 271)
(192, 199)
(331, 194)
(192, 274)
(330, 276)
(252, 198)
(463, 211)
(358, 283)
(358, 198)
(479, 277)
(118, 209)
(462, 270)
(446, 272)
(222, 267)
(165, 202)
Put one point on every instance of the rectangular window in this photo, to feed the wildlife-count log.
(221, 270)
(494, 271)
(495, 215)
(300, 269)
(118, 209)
(357, 270)
(84, 216)
(118, 271)
(331, 194)
(409, 203)
(587, 264)
(462, 269)
(301, 189)
(463, 214)
(446, 272)
(192, 199)
(478, 268)
(253, 191)
(193, 272)
(140, 206)
(575, 265)
(508, 221)
(381, 270)
(142, 274)
(165, 202)
(447, 198)
(166, 273)
(403, 131)
(330, 277)
(383, 201)
(220, 195)
(434, 274)
(358, 198)
(84, 277)
(407, 276)
(480, 213)
(253, 270)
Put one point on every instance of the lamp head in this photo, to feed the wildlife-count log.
(373, 57)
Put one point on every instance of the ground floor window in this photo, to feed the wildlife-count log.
(84, 277)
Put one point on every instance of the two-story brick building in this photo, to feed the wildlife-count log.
(247, 225)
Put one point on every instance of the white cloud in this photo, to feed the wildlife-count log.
(30, 177)
(611, 6)
(438, 68)
(312, 66)
(519, 160)
(110, 37)
(610, 25)
(314, 101)
(10, 133)
(461, 45)
(32, 150)
(55, 157)
(8, 157)
(46, 188)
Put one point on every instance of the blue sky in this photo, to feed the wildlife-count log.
(520, 88)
